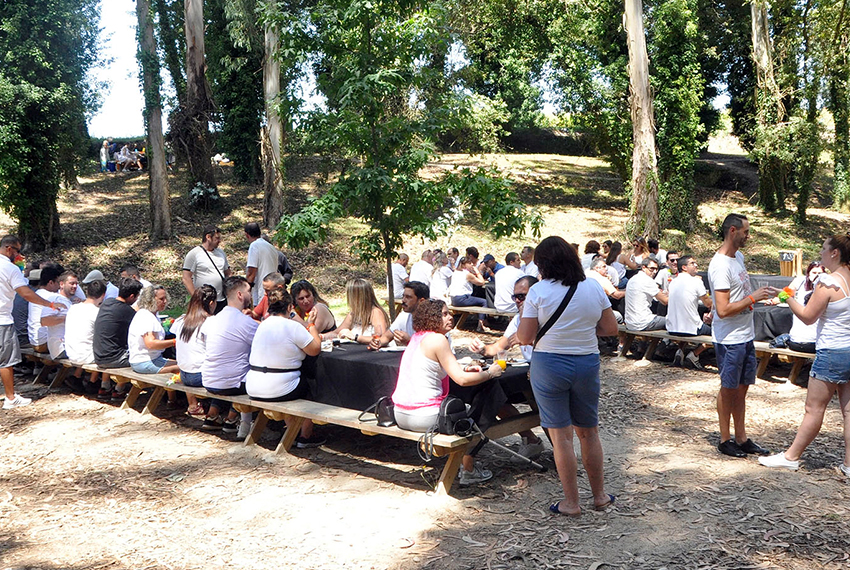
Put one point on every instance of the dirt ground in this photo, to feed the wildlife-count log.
(86, 485)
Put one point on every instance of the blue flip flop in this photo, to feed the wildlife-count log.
(553, 508)
(611, 500)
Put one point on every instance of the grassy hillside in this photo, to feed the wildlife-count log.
(105, 220)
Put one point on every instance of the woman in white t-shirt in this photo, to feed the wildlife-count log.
(146, 336)
(829, 307)
(441, 276)
(279, 347)
(565, 365)
(190, 352)
(460, 288)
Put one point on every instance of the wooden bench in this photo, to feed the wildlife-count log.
(764, 352)
(464, 312)
(296, 412)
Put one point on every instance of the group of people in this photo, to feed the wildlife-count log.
(125, 158)
(253, 334)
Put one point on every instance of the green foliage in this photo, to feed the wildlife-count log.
(477, 125)
(47, 47)
(370, 53)
(204, 197)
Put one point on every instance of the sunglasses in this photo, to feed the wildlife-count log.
(518, 297)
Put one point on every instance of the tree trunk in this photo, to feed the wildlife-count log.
(170, 43)
(390, 288)
(272, 134)
(158, 179)
(198, 97)
(644, 207)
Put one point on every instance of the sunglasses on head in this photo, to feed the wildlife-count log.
(518, 297)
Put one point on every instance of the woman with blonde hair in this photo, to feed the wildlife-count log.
(366, 318)
(146, 336)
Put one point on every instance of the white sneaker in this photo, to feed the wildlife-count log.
(844, 469)
(679, 357)
(17, 402)
(531, 450)
(779, 460)
(694, 360)
(477, 475)
(244, 429)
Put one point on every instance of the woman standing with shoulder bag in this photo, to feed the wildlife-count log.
(562, 316)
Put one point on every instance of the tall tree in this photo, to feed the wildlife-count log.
(838, 62)
(157, 175)
(644, 184)
(47, 48)
(272, 133)
(172, 42)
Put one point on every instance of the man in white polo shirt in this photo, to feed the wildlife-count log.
(640, 291)
(206, 264)
(422, 269)
(733, 333)
(262, 260)
(12, 281)
(686, 292)
(506, 278)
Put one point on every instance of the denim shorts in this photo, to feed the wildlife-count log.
(566, 388)
(831, 365)
(736, 363)
(149, 366)
(191, 379)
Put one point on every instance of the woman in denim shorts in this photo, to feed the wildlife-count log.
(829, 307)
(565, 365)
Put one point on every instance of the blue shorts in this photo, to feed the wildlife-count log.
(566, 388)
(149, 366)
(736, 363)
(832, 365)
(191, 379)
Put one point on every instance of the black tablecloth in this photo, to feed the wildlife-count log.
(354, 377)
(771, 321)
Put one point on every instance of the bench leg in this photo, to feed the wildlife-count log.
(45, 370)
(293, 428)
(763, 362)
(60, 377)
(447, 477)
(650, 350)
(627, 344)
(257, 429)
(154, 400)
(131, 398)
(461, 320)
(796, 369)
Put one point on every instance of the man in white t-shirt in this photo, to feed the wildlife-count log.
(97, 275)
(531, 446)
(12, 281)
(655, 251)
(206, 264)
(733, 333)
(506, 278)
(421, 270)
(669, 272)
(48, 286)
(399, 269)
(528, 266)
(80, 319)
(686, 292)
(262, 260)
(133, 272)
(401, 328)
(54, 320)
(640, 291)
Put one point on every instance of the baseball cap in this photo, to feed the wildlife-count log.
(93, 275)
(488, 257)
(35, 275)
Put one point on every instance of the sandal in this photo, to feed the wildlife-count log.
(553, 508)
(604, 507)
(196, 410)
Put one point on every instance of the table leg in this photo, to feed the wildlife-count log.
(257, 429)
(449, 473)
(293, 428)
(763, 362)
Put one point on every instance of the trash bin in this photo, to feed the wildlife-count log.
(791, 262)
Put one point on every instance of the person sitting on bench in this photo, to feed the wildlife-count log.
(686, 292)
(460, 289)
(640, 292)
(366, 318)
(146, 335)
(110, 334)
(401, 329)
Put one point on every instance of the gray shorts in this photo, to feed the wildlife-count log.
(656, 324)
(10, 350)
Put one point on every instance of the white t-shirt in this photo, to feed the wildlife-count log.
(403, 322)
(79, 333)
(586, 260)
(513, 326)
(111, 291)
(683, 305)
(460, 285)
(421, 271)
(143, 323)
(38, 333)
(506, 278)
(440, 282)
(399, 277)
(603, 281)
(11, 278)
(620, 269)
(575, 331)
(56, 333)
(204, 272)
(729, 273)
(263, 256)
(640, 291)
(227, 339)
(190, 355)
(664, 279)
(278, 343)
(801, 332)
(530, 268)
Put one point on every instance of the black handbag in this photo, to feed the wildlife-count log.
(453, 415)
(383, 410)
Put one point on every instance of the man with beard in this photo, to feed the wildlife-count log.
(402, 328)
(227, 339)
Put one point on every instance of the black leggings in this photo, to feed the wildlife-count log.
(300, 392)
